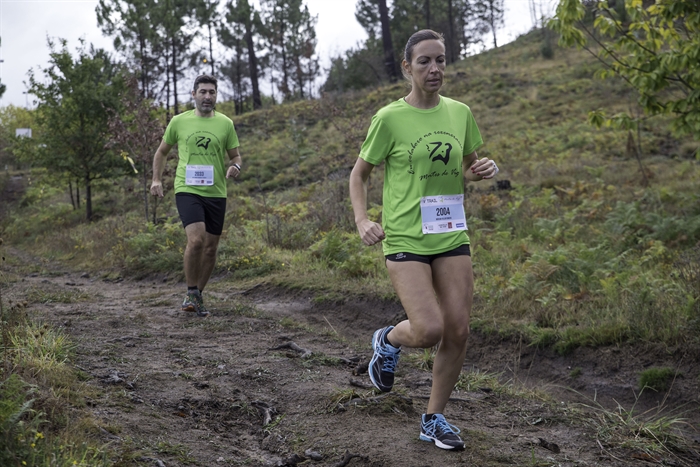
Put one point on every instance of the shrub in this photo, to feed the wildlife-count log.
(657, 379)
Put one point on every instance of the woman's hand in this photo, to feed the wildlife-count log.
(485, 168)
(370, 232)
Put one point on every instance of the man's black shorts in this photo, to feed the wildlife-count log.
(462, 250)
(194, 208)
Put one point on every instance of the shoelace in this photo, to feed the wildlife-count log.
(390, 360)
(439, 422)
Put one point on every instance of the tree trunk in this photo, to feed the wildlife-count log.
(88, 199)
(427, 14)
(452, 46)
(174, 70)
(145, 188)
(211, 50)
(253, 65)
(389, 61)
(70, 190)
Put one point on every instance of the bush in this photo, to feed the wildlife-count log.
(656, 379)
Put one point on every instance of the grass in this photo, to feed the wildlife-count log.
(650, 434)
(578, 253)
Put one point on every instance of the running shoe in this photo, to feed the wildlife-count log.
(194, 302)
(383, 364)
(188, 304)
(440, 432)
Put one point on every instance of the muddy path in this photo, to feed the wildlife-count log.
(273, 379)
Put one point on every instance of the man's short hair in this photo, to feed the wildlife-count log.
(207, 79)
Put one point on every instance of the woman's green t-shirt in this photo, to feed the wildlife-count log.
(422, 150)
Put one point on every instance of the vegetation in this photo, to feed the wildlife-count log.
(654, 48)
(578, 252)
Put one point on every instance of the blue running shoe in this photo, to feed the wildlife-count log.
(437, 430)
(383, 364)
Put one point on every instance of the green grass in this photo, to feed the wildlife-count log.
(657, 379)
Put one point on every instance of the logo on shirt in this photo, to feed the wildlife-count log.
(440, 152)
(203, 142)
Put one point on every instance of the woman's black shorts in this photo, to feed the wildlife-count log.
(194, 208)
(462, 250)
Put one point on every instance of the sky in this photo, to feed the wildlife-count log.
(25, 26)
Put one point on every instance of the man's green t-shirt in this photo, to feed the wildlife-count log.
(202, 142)
(423, 150)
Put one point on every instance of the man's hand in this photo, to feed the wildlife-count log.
(157, 189)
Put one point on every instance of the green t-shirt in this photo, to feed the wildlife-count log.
(423, 150)
(202, 141)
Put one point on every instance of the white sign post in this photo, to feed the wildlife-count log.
(23, 132)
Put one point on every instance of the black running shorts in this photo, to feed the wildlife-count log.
(462, 250)
(194, 208)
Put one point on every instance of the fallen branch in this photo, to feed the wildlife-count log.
(247, 291)
(347, 458)
(451, 399)
(360, 384)
(373, 400)
(266, 409)
(123, 338)
(549, 446)
(361, 368)
(349, 361)
(292, 346)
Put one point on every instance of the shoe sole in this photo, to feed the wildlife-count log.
(440, 444)
(375, 342)
(192, 309)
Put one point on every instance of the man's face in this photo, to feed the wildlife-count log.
(205, 98)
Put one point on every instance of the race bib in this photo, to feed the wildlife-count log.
(444, 213)
(202, 175)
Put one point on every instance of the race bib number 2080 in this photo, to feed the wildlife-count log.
(444, 213)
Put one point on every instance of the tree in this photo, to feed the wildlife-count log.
(291, 40)
(245, 26)
(130, 22)
(492, 13)
(12, 118)
(171, 20)
(654, 47)
(74, 103)
(155, 37)
(392, 68)
(137, 131)
(206, 14)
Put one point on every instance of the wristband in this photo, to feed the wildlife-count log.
(237, 166)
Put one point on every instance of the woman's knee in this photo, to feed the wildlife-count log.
(429, 334)
(457, 334)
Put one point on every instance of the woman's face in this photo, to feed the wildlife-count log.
(427, 67)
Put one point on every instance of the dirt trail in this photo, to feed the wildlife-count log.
(196, 391)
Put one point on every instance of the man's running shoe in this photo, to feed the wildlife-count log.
(188, 304)
(383, 364)
(194, 302)
(440, 432)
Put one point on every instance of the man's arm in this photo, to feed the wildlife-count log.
(234, 169)
(158, 165)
